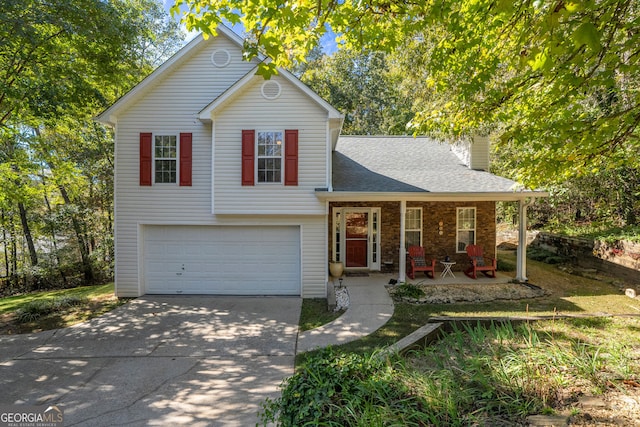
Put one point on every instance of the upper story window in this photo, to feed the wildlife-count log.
(165, 152)
(270, 156)
(267, 157)
(466, 228)
(413, 227)
(165, 159)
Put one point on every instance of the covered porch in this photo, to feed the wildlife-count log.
(372, 236)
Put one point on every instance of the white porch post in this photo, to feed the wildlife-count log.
(521, 269)
(402, 262)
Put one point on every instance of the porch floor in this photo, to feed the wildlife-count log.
(459, 279)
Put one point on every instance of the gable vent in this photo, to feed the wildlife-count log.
(220, 58)
(271, 89)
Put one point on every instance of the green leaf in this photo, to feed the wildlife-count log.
(587, 34)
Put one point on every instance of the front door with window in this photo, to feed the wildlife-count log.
(356, 235)
(356, 241)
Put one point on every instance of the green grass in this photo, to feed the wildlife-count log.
(479, 372)
(12, 303)
(494, 374)
(569, 295)
(314, 314)
(41, 311)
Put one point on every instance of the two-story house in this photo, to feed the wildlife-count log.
(226, 183)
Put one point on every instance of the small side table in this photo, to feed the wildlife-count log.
(447, 268)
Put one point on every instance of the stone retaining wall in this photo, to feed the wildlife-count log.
(620, 259)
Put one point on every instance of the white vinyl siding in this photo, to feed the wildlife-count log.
(249, 110)
(169, 107)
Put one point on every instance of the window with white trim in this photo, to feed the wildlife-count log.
(270, 156)
(465, 228)
(413, 227)
(165, 159)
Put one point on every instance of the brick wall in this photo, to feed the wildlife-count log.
(436, 245)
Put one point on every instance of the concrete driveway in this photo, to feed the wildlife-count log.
(183, 360)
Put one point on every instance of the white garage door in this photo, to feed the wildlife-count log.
(222, 260)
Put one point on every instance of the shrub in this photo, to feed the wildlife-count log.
(33, 310)
(36, 309)
(345, 390)
(64, 302)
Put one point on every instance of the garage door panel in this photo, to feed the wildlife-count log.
(222, 260)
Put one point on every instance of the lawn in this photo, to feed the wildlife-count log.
(569, 295)
(39, 311)
(588, 350)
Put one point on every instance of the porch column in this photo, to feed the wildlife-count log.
(521, 268)
(402, 262)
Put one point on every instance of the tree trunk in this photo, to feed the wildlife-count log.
(27, 235)
(82, 241)
(6, 251)
(53, 240)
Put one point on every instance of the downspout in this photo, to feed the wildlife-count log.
(402, 262)
(521, 268)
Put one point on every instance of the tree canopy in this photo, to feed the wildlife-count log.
(61, 62)
(555, 81)
(364, 86)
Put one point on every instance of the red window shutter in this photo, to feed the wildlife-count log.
(145, 158)
(248, 157)
(185, 159)
(291, 157)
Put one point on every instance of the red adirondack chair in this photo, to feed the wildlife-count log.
(417, 262)
(479, 262)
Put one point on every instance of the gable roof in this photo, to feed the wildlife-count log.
(109, 116)
(237, 87)
(420, 167)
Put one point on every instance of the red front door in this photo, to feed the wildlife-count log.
(357, 239)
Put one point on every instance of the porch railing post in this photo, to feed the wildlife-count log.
(521, 258)
(401, 251)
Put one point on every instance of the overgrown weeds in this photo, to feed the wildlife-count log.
(34, 310)
(475, 375)
(409, 291)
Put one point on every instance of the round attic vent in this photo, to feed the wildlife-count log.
(220, 58)
(271, 89)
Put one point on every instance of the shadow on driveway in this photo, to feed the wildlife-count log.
(170, 360)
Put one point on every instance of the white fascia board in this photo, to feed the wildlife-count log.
(110, 115)
(428, 197)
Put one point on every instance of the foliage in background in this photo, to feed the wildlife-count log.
(62, 62)
(363, 86)
(556, 82)
(600, 199)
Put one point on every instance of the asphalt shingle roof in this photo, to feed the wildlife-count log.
(407, 164)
